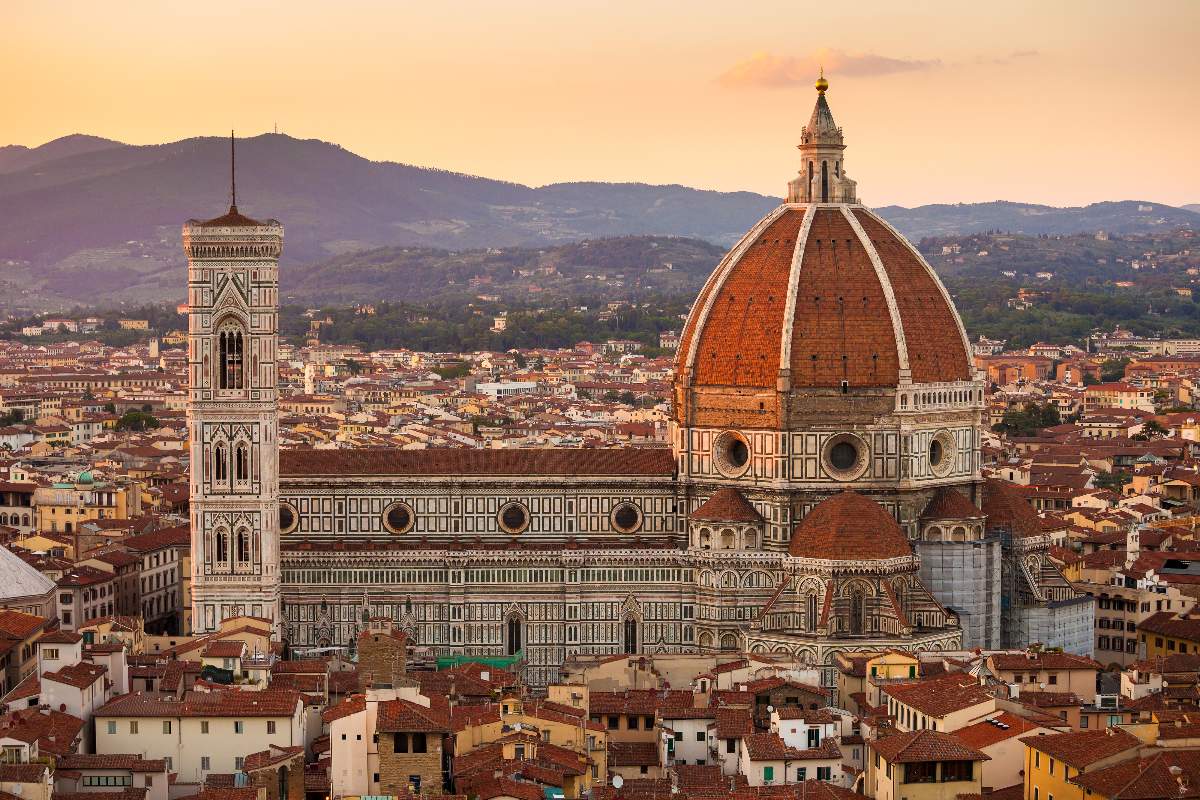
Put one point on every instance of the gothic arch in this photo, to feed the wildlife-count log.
(220, 545)
(866, 587)
(231, 339)
(756, 580)
(243, 544)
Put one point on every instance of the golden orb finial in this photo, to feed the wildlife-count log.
(821, 83)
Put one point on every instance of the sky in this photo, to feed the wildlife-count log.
(1063, 103)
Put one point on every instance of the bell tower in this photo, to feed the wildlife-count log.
(233, 288)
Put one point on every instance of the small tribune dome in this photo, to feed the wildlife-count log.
(849, 527)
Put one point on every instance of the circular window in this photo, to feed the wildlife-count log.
(398, 517)
(288, 518)
(845, 457)
(731, 454)
(626, 518)
(941, 454)
(513, 518)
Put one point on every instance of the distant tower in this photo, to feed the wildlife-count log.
(822, 177)
(153, 348)
(233, 289)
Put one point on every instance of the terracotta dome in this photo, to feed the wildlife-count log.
(849, 527)
(866, 307)
(821, 294)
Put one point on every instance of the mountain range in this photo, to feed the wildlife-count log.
(93, 220)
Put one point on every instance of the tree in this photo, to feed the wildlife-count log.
(1029, 420)
(1152, 429)
(136, 421)
(1112, 481)
(1113, 370)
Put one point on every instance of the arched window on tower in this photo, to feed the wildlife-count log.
(243, 546)
(241, 462)
(221, 545)
(810, 179)
(230, 356)
(631, 637)
(824, 181)
(220, 467)
(513, 644)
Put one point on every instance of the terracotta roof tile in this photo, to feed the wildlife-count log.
(986, 733)
(940, 695)
(948, 503)
(925, 745)
(1147, 778)
(463, 461)
(1081, 748)
(632, 754)
(1006, 506)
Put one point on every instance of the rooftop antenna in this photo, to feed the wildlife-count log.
(232, 173)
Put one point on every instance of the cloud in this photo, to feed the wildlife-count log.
(1009, 58)
(767, 71)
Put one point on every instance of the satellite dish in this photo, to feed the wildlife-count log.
(770, 709)
(618, 781)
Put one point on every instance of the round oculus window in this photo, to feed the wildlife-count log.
(288, 519)
(626, 518)
(398, 518)
(731, 454)
(845, 457)
(513, 518)
(941, 453)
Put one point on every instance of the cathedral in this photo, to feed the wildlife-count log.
(822, 492)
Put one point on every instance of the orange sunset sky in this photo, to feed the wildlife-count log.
(1052, 102)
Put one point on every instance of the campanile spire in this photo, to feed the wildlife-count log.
(822, 177)
(232, 174)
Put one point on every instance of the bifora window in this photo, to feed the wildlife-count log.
(230, 355)
(626, 517)
(398, 517)
(513, 517)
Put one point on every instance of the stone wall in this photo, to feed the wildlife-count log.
(396, 768)
(381, 658)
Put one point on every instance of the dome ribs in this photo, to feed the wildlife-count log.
(931, 329)
(738, 344)
(842, 329)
